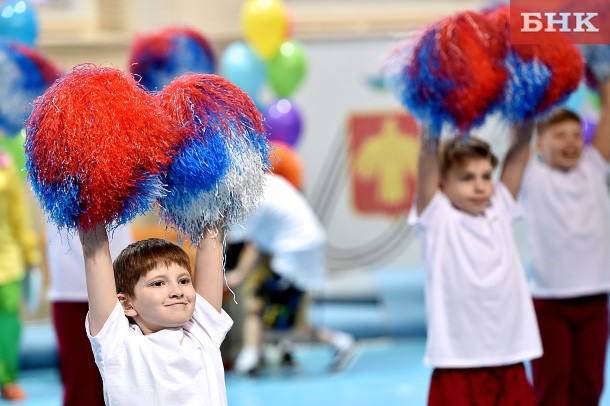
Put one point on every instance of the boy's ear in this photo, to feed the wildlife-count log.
(127, 306)
(538, 144)
(441, 184)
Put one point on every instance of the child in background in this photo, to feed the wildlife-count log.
(158, 344)
(565, 195)
(481, 322)
(286, 231)
(68, 296)
(18, 251)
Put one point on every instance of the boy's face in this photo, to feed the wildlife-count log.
(561, 145)
(164, 298)
(469, 186)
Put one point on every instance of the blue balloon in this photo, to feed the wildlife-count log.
(18, 22)
(576, 101)
(244, 68)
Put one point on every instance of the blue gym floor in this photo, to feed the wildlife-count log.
(385, 372)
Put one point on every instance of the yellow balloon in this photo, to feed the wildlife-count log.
(265, 24)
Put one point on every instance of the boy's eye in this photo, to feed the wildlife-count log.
(467, 177)
(157, 283)
(487, 176)
(185, 281)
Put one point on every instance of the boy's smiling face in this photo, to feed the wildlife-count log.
(561, 144)
(163, 298)
(469, 186)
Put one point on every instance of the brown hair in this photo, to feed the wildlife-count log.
(557, 116)
(457, 151)
(139, 258)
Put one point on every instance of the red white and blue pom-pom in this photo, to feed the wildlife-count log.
(559, 65)
(24, 75)
(160, 57)
(597, 60)
(539, 75)
(454, 75)
(95, 146)
(216, 178)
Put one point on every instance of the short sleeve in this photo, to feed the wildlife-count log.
(111, 337)
(505, 202)
(591, 156)
(428, 217)
(216, 325)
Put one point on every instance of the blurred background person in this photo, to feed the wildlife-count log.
(285, 233)
(19, 251)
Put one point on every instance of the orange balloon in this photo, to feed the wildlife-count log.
(287, 164)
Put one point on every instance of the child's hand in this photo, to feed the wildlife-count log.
(93, 238)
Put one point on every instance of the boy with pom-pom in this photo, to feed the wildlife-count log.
(565, 196)
(155, 328)
(481, 322)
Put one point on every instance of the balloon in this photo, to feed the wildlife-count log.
(243, 67)
(588, 129)
(287, 68)
(14, 147)
(18, 22)
(287, 163)
(283, 121)
(577, 100)
(265, 25)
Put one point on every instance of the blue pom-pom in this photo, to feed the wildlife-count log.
(24, 75)
(526, 86)
(161, 57)
(216, 178)
(597, 62)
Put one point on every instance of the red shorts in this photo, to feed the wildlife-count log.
(486, 386)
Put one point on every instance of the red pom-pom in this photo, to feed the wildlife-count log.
(472, 57)
(456, 74)
(565, 63)
(96, 143)
(199, 100)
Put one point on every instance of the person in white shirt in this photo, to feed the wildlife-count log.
(285, 230)
(481, 321)
(565, 196)
(154, 327)
(67, 293)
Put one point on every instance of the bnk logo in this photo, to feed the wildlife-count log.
(556, 21)
(565, 22)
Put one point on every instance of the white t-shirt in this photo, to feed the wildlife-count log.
(66, 264)
(175, 366)
(568, 226)
(285, 227)
(480, 312)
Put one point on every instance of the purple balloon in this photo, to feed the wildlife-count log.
(588, 130)
(283, 121)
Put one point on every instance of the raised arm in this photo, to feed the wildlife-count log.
(209, 277)
(601, 138)
(517, 157)
(428, 171)
(101, 287)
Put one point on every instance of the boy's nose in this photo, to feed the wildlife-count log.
(176, 293)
